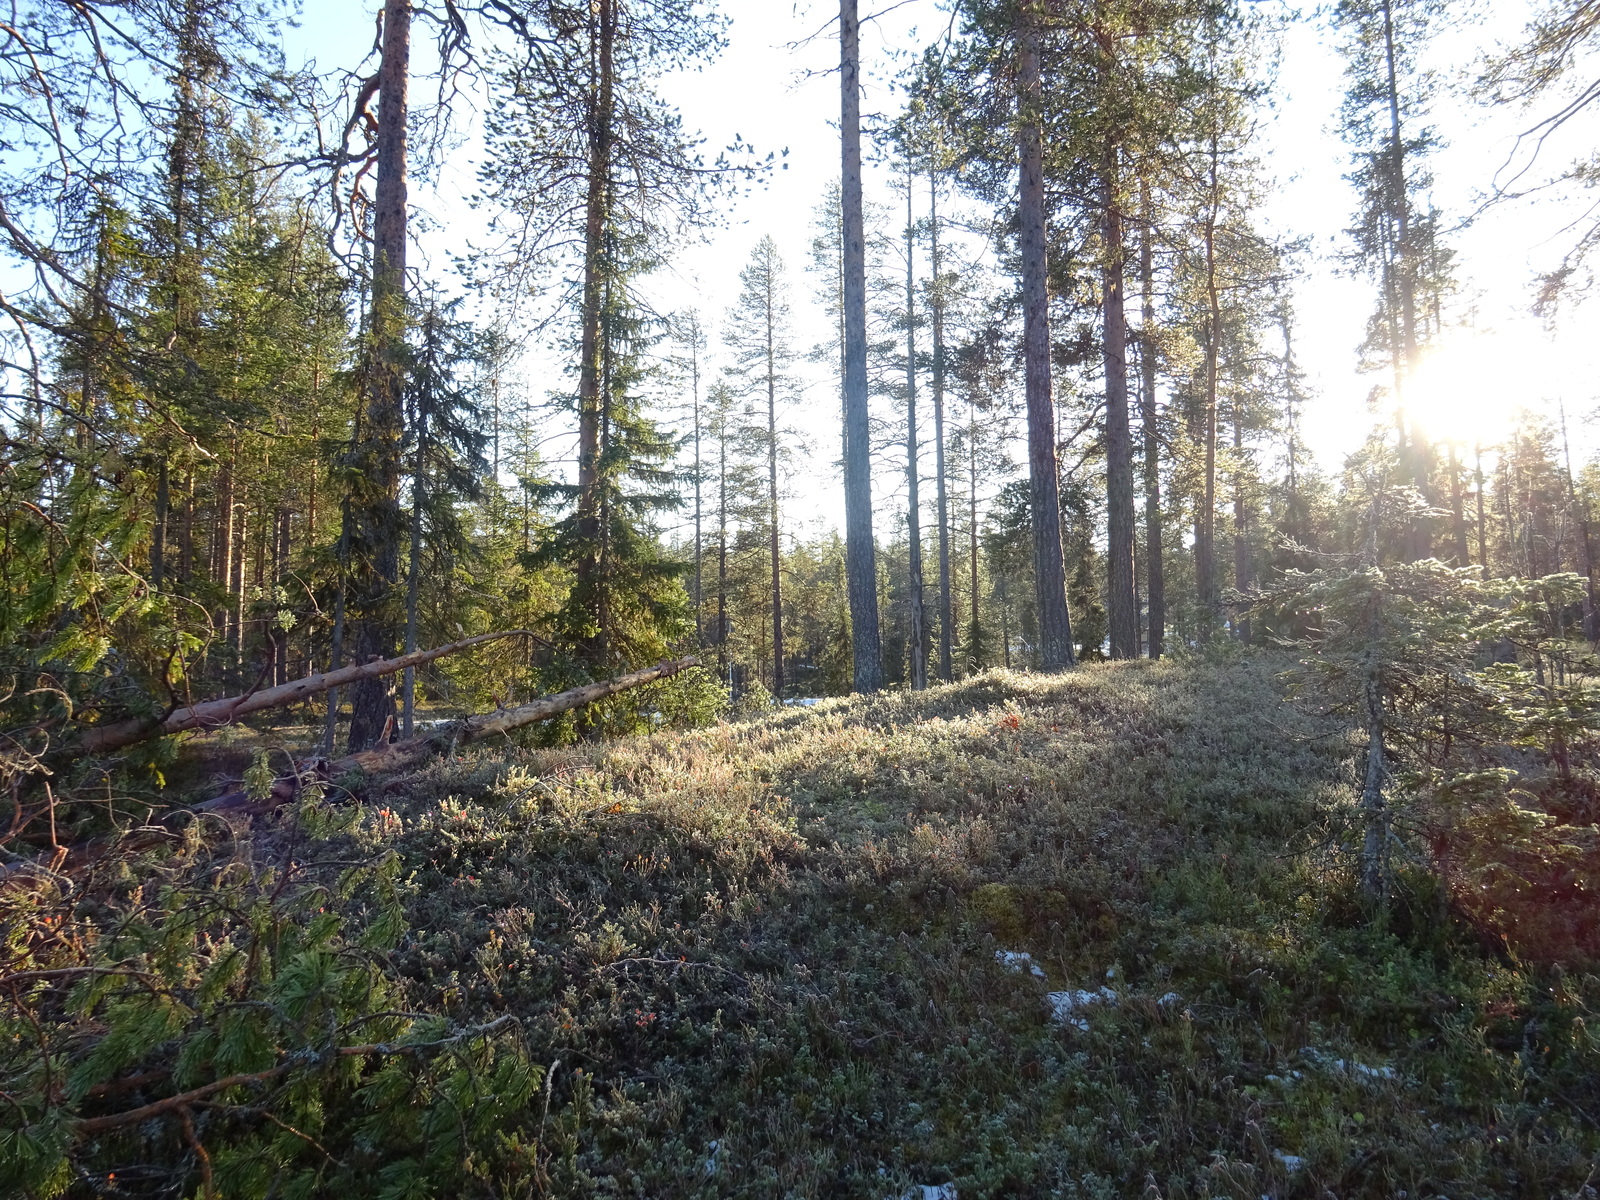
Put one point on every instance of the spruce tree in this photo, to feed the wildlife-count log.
(447, 466)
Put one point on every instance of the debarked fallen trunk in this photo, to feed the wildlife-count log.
(393, 756)
(413, 752)
(397, 756)
(214, 714)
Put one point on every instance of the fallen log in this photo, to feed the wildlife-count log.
(214, 714)
(396, 756)
(392, 756)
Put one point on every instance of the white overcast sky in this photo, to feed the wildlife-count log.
(779, 98)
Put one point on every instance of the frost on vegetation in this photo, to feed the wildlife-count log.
(711, 1158)
(1064, 1006)
(1291, 1162)
(1361, 1070)
(1018, 961)
(928, 1191)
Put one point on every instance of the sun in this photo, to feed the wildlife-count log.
(1466, 391)
(1471, 386)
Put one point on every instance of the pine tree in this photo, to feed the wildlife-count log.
(1541, 75)
(860, 545)
(1055, 627)
(1397, 239)
(757, 333)
(690, 338)
(375, 517)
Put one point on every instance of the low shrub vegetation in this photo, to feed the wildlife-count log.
(769, 958)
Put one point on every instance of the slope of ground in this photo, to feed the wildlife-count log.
(767, 959)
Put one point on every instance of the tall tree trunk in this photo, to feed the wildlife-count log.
(1241, 523)
(1124, 609)
(377, 518)
(1374, 810)
(1138, 641)
(592, 350)
(774, 540)
(419, 501)
(158, 530)
(1005, 619)
(1483, 526)
(222, 529)
(1458, 517)
(919, 629)
(1296, 521)
(722, 549)
(186, 530)
(240, 640)
(280, 572)
(861, 568)
(598, 647)
(1205, 557)
(937, 303)
(1513, 560)
(973, 638)
(341, 604)
(195, 65)
(1414, 448)
(1155, 566)
(1399, 202)
(699, 593)
(1049, 569)
(1580, 518)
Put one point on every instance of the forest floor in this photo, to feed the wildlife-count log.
(1087, 935)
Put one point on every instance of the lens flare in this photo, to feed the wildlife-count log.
(1470, 388)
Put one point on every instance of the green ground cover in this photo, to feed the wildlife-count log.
(760, 960)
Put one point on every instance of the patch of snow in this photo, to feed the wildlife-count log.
(804, 701)
(1018, 961)
(1291, 1162)
(711, 1159)
(1169, 999)
(1065, 1005)
(928, 1191)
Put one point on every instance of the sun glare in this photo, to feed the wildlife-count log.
(1470, 388)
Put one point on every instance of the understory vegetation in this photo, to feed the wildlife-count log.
(769, 958)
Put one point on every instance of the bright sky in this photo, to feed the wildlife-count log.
(776, 97)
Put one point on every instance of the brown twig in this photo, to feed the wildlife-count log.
(69, 972)
(187, 1123)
